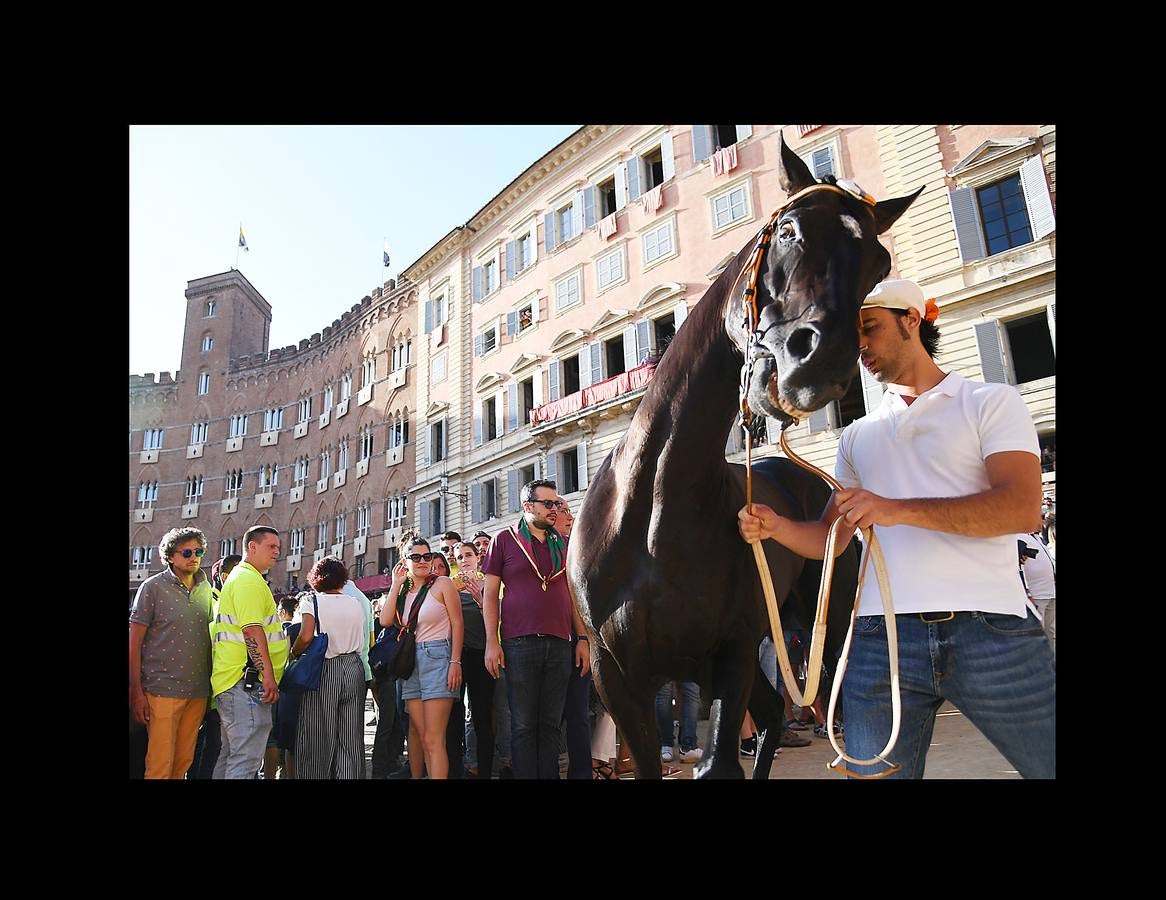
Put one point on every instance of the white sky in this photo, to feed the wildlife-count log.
(316, 203)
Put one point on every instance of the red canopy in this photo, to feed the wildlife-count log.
(374, 583)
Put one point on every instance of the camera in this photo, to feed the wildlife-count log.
(250, 678)
(1025, 551)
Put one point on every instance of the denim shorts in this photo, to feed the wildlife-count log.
(431, 674)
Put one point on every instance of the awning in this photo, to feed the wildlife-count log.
(374, 583)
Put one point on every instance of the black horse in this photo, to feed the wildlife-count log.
(663, 581)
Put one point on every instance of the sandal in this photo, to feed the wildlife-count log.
(602, 771)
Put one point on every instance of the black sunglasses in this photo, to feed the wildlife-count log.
(417, 557)
(550, 504)
(188, 553)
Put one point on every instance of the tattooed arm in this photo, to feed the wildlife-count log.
(256, 642)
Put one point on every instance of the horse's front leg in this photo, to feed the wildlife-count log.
(732, 680)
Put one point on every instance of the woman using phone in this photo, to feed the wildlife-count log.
(437, 676)
(471, 585)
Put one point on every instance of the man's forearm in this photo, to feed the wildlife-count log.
(988, 514)
(256, 640)
(490, 613)
(807, 539)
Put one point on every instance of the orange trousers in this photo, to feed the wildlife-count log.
(173, 730)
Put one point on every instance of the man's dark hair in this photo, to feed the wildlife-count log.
(253, 533)
(410, 542)
(928, 333)
(478, 534)
(451, 536)
(528, 489)
(328, 574)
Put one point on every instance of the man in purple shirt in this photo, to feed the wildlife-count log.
(538, 626)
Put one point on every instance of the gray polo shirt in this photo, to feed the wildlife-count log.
(176, 652)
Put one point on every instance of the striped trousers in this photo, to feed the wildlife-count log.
(330, 737)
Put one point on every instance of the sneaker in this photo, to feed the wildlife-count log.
(666, 754)
(691, 756)
(749, 747)
(820, 730)
(792, 739)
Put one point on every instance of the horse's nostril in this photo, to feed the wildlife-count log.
(802, 343)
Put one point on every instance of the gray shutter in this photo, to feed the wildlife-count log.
(744, 131)
(701, 144)
(588, 206)
(552, 465)
(582, 470)
(444, 443)
(596, 362)
(772, 429)
(512, 490)
(630, 358)
(680, 313)
(820, 420)
(512, 323)
(633, 178)
(424, 507)
(423, 442)
(498, 414)
(538, 469)
(553, 378)
(511, 266)
(991, 353)
(666, 155)
(1036, 196)
(442, 520)
(733, 443)
(965, 213)
(577, 215)
(476, 502)
(872, 390)
(479, 344)
(512, 418)
(428, 316)
(476, 287)
(823, 162)
(549, 231)
(643, 338)
(477, 424)
(584, 367)
(621, 186)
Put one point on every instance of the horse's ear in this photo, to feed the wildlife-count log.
(792, 174)
(887, 211)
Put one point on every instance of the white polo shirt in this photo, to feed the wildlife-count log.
(936, 447)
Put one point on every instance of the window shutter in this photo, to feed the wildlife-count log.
(512, 489)
(582, 456)
(512, 419)
(1036, 195)
(701, 143)
(444, 443)
(549, 231)
(537, 384)
(630, 357)
(596, 362)
(476, 288)
(476, 502)
(744, 131)
(633, 178)
(553, 378)
(734, 442)
(820, 420)
(823, 162)
(965, 213)
(588, 206)
(423, 443)
(544, 308)
(512, 323)
(428, 316)
(643, 338)
(1052, 334)
(680, 313)
(479, 344)
(585, 367)
(666, 155)
(552, 465)
(441, 520)
(772, 429)
(538, 471)
(872, 390)
(511, 267)
(577, 214)
(477, 423)
(991, 353)
(499, 417)
(425, 519)
(621, 186)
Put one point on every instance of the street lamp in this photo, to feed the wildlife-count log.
(443, 488)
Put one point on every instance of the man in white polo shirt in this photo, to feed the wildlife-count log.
(949, 471)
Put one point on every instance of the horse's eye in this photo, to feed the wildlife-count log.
(785, 231)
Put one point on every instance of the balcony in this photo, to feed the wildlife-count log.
(190, 510)
(599, 399)
(297, 494)
(318, 554)
(293, 562)
(337, 550)
(339, 478)
(341, 408)
(143, 515)
(360, 545)
(234, 445)
(148, 456)
(194, 451)
(394, 455)
(230, 505)
(264, 501)
(362, 468)
(397, 379)
(301, 431)
(364, 396)
(322, 485)
(325, 418)
(268, 438)
(139, 574)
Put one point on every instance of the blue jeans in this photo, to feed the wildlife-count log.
(578, 725)
(689, 710)
(998, 670)
(245, 723)
(537, 671)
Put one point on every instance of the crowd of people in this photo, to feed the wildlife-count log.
(501, 681)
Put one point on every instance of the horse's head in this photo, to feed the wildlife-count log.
(822, 261)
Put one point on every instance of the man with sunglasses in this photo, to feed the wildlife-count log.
(449, 542)
(537, 624)
(170, 653)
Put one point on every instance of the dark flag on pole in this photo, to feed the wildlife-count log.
(386, 254)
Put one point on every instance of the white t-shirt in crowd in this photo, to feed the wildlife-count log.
(1040, 573)
(936, 447)
(342, 619)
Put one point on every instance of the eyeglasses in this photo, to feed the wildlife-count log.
(188, 553)
(417, 557)
(450, 548)
(550, 504)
